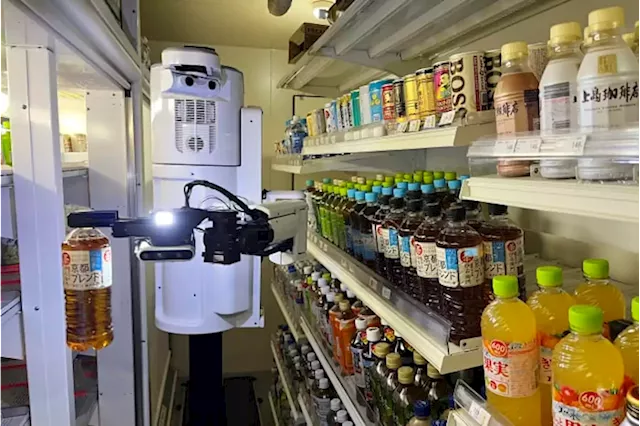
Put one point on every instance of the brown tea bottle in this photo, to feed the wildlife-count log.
(429, 290)
(390, 228)
(376, 225)
(410, 224)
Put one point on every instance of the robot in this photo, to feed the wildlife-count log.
(207, 246)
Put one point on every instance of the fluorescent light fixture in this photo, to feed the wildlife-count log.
(321, 8)
(163, 218)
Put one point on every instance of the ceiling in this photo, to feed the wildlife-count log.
(223, 22)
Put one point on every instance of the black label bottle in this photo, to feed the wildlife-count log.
(410, 224)
(460, 274)
(376, 227)
(390, 228)
(429, 290)
(393, 362)
(345, 210)
(368, 241)
(354, 222)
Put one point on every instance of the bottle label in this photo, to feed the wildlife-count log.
(426, 260)
(511, 368)
(559, 107)
(517, 112)
(358, 370)
(367, 367)
(391, 250)
(323, 407)
(460, 267)
(356, 241)
(405, 251)
(503, 257)
(608, 101)
(380, 240)
(589, 408)
(86, 269)
(414, 260)
(368, 246)
(547, 343)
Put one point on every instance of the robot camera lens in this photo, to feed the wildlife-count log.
(188, 81)
(212, 85)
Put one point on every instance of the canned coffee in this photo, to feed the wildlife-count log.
(468, 82)
(492, 66)
(442, 86)
(398, 99)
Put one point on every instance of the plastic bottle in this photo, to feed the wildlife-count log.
(377, 375)
(336, 406)
(473, 214)
(368, 366)
(346, 329)
(354, 223)
(608, 73)
(390, 228)
(342, 417)
(318, 198)
(405, 396)
(376, 225)
(388, 333)
(599, 291)
(345, 211)
(503, 248)
(550, 305)
(87, 279)
(401, 347)
(322, 398)
(428, 290)
(588, 373)
(453, 194)
(411, 222)
(314, 366)
(420, 378)
(369, 248)
(413, 191)
(510, 352)
(339, 234)
(332, 324)
(438, 392)
(440, 186)
(358, 346)
(627, 343)
(325, 216)
(460, 274)
(392, 362)
(428, 193)
(421, 414)
(296, 133)
(633, 406)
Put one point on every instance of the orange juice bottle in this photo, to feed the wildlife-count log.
(333, 315)
(346, 321)
(627, 343)
(587, 373)
(550, 305)
(510, 352)
(599, 291)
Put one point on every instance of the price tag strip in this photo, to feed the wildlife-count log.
(447, 118)
(430, 122)
(479, 414)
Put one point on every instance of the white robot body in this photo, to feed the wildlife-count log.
(200, 133)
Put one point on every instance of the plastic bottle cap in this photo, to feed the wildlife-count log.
(549, 276)
(347, 423)
(326, 276)
(339, 298)
(456, 213)
(595, 268)
(318, 373)
(417, 177)
(343, 192)
(438, 175)
(565, 32)
(365, 188)
(377, 189)
(370, 197)
(344, 305)
(325, 290)
(354, 179)
(454, 184)
(422, 409)
(326, 180)
(414, 186)
(427, 188)
(315, 276)
(586, 34)
(402, 185)
(309, 182)
(398, 193)
(634, 309)
(606, 19)
(293, 353)
(322, 282)
(311, 357)
(514, 50)
(450, 175)
(428, 179)
(407, 176)
(315, 365)
(433, 372)
(393, 360)
(373, 334)
(323, 383)
(297, 359)
(440, 183)
(405, 375)
(331, 297)
(307, 270)
(585, 319)
(361, 324)
(418, 359)
(380, 177)
(389, 179)
(357, 186)
(351, 193)
(387, 190)
(359, 196)
(350, 294)
(342, 416)
(381, 349)
(335, 404)
(349, 185)
(505, 286)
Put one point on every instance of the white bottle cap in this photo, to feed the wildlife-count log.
(361, 324)
(322, 282)
(342, 416)
(315, 365)
(331, 297)
(307, 270)
(323, 383)
(315, 276)
(343, 287)
(311, 357)
(298, 366)
(297, 359)
(293, 353)
(325, 290)
(350, 294)
(373, 334)
(347, 423)
(318, 374)
(305, 349)
(335, 404)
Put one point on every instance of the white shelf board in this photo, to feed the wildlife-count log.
(361, 162)
(276, 421)
(285, 383)
(69, 170)
(305, 412)
(603, 201)
(12, 329)
(293, 325)
(433, 138)
(422, 331)
(344, 386)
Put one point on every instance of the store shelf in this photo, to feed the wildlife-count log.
(344, 385)
(603, 201)
(293, 325)
(272, 404)
(432, 138)
(69, 170)
(12, 330)
(285, 383)
(385, 162)
(425, 331)
(381, 36)
(305, 410)
(473, 409)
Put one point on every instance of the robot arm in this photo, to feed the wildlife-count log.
(277, 229)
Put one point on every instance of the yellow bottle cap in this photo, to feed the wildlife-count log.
(405, 375)
(629, 39)
(433, 372)
(505, 286)
(566, 32)
(514, 50)
(393, 360)
(595, 268)
(338, 298)
(606, 19)
(381, 349)
(345, 305)
(634, 309)
(632, 397)
(549, 276)
(418, 359)
(585, 319)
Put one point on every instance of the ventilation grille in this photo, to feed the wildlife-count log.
(195, 124)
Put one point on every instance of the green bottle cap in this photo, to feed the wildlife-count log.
(549, 276)
(387, 184)
(369, 182)
(450, 176)
(417, 177)
(329, 188)
(324, 187)
(407, 177)
(505, 286)
(336, 190)
(349, 185)
(418, 172)
(357, 186)
(398, 176)
(343, 184)
(376, 183)
(427, 173)
(326, 180)
(595, 268)
(427, 179)
(585, 319)
(365, 188)
(438, 175)
(634, 309)
(343, 192)
(397, 180)
(309, 182)
(388, 179)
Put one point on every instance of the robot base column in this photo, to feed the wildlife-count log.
(206, 393)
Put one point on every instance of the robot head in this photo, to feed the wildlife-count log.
(196, 72)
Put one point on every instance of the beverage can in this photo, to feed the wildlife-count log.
(355, 108)
(338, 113)
(399, 99)
(538, 58)
(320, 124)
(411, 96)
(442, 86)
(468, 82)
(426, 100)
(388, 104)
(330, 117)
(347, 113)
(365, 109)
(492, 64)
(375, 99)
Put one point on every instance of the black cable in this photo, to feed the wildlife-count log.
(188, 188)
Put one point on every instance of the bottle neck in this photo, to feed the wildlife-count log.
(516, 65)
(605, 36)
(372, 204)
(565, 50)
(598, 281)
(455, 223)
(591, 336)
(551, 290)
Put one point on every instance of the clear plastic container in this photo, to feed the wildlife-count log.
(627, 343)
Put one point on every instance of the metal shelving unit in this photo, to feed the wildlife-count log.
(285, 383)
(294, 326)
(305, 410)
(272, 404)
